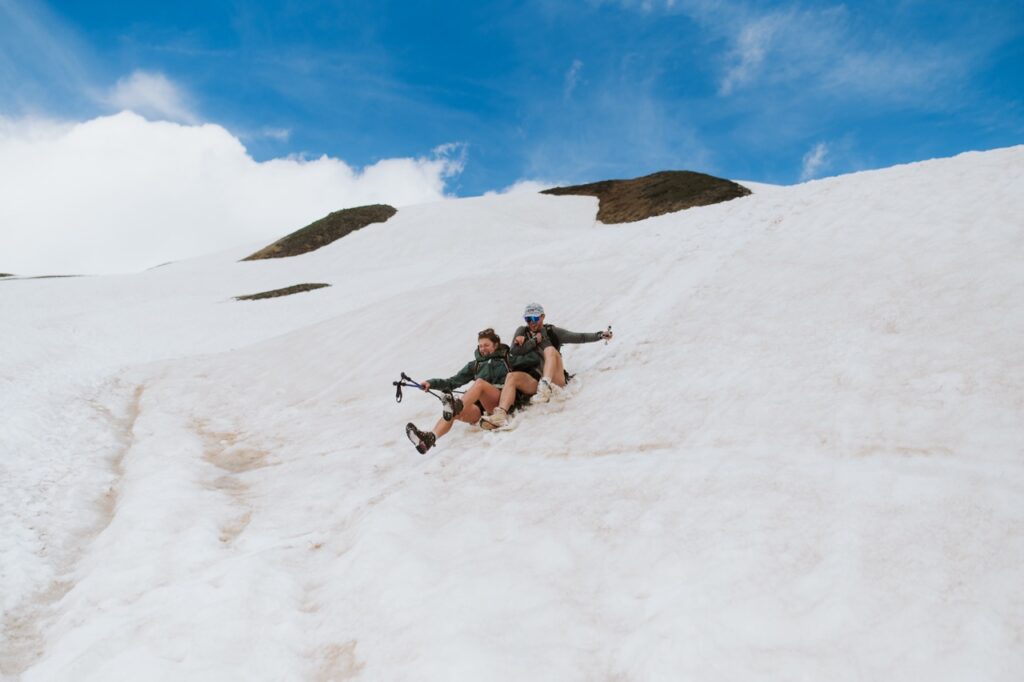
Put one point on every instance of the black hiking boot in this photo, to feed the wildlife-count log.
(422, 441)
(450, 407)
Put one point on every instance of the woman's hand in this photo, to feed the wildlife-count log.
(425, 385)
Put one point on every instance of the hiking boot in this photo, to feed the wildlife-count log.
(543, 393)
(422, 441)
(450, 407)
(495, 420)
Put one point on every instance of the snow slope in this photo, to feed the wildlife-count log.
(801, 457)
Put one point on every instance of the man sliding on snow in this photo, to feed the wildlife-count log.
(489, 368)
(539, 343)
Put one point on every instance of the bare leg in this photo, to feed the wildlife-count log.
(481, 390)
(442, 427)
(554, 371)
(516, 380)
(487, 393)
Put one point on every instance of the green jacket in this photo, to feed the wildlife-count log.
(550, 335)
(491, 368)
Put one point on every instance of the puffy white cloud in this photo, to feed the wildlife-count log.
(151, 94)
(120, 193)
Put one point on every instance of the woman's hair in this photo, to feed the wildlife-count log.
(489, 334)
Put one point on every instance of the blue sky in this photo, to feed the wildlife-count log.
(534, 89)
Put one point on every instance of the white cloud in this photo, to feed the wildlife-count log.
(523, 187)
(152, 95)
(752, 44)
(814, 161)
(453, 155)
(120, 193)
(826, 51)
(572, 78)
(895, 74)
(645, 6)
(279, 134)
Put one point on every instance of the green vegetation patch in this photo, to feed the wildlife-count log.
(626, 201)
(330, 228)
(287, 291)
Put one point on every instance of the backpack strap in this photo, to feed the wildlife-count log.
(555, 341)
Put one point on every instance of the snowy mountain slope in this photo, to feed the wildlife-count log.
(799, 458)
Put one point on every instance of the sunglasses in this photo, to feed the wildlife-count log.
(532, 318)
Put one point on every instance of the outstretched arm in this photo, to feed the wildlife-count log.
(464, 376)
(566, 336)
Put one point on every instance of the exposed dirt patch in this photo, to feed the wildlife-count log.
(287, 291)
(338, 662)
(226, 451)
(330, 228)
(230, 531)
(23, 642)
(626, 201)
(238, 460)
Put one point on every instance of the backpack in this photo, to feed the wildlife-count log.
(555, 341)
(503, 350)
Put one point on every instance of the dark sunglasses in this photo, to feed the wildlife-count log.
(532, 318)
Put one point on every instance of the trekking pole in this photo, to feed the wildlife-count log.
(406, 377)
(406, 380)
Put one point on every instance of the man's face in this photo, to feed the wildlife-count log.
(535, 322)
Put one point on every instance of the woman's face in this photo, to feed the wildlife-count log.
(486, 346)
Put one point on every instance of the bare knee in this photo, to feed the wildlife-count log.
(470, 414)
(474, 390)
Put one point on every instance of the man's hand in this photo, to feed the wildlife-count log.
(537, 337)
(519, 340)
(425, 385)
(607, 335)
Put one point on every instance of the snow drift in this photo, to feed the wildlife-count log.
(800, 457)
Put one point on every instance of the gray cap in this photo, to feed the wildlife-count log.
(533, 309)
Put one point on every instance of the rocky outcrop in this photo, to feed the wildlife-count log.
(287, 291)
(626, 201)
(330, 228)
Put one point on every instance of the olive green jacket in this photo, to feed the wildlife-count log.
(491, 368)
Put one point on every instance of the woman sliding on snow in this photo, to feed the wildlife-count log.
(535, 344)
(489, 369)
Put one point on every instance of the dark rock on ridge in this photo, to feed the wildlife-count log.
(626, 201)
(330, 228)
(287, 291)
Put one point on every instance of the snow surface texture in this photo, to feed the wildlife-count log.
(801, 457)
